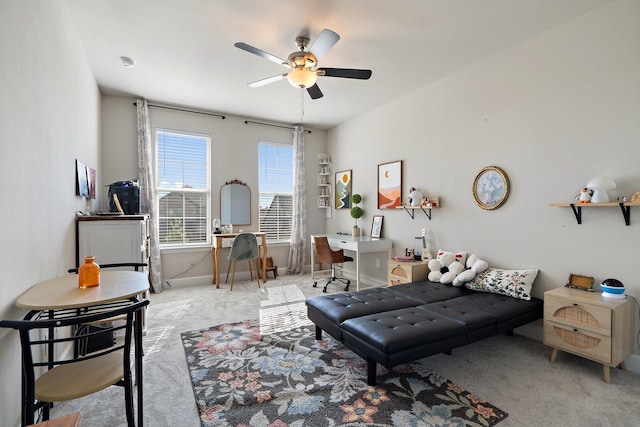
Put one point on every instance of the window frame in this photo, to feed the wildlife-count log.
(168, 189)
(280, 238)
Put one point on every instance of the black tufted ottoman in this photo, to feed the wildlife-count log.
(403, 323)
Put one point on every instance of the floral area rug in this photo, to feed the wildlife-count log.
(288, 379)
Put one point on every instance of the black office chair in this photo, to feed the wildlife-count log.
(67, 379)
(326, 255)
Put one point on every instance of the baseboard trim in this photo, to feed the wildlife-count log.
(633, 363)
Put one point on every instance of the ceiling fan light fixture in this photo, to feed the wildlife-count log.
(302, 78)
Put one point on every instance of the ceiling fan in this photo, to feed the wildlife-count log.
(303, 64)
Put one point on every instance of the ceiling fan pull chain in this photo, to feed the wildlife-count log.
(301, 106)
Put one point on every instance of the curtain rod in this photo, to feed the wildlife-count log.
(185, 110)
(250, 122)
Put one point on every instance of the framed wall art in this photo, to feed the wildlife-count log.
(491, 188)
(376, 226)
(91, 179)
(343, 190)
(82, 184)
(389, 185)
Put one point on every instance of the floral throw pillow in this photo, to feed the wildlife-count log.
(513, 283)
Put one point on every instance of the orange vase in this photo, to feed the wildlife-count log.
(89, 273)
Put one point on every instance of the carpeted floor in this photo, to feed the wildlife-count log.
(244, 378)
(513, 373)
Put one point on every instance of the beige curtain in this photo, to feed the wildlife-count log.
(148, 194)
(299, 225)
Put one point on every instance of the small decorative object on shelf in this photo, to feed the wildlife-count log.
(324, 180)
(600, 186)
(216, 226)
(415, 197)
(356, 212)
(577, 281)
(585, 195)
(89, 273)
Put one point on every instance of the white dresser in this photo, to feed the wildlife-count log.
(113, 239)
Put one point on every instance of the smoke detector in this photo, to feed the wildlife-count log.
(127, 62)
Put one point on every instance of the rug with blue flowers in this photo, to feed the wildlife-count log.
(243, 378)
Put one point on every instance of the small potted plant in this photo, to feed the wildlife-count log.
(356, 212)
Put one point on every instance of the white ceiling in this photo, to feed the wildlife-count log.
(185, 55)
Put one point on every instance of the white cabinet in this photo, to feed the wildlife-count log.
(113, 239)
(324, 181)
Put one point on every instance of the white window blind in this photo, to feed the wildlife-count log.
(275, 171)
(183, 177)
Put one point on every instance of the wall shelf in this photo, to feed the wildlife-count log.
(411, 210)
(324, 181)
(625, 207)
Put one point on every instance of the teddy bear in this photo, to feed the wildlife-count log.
(475, 266)
(446, 266)
(585, 196)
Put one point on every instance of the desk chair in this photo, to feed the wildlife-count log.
(326, 255)
(244, 248)
(68, 379)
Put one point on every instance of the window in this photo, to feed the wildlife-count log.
(275, 171)
(183, 177)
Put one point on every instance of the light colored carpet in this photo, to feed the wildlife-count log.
(513, 373)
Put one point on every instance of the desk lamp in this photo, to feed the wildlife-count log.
(216, 226)
(600, 185)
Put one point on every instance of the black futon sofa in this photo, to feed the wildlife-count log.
(403, 323)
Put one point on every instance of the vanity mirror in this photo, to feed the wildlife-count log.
(235, 203)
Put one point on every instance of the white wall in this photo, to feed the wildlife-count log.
(553, 112)
(235, 156)
(49, 111)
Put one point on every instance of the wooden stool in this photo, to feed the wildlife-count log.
(71, 420)
(270, 267)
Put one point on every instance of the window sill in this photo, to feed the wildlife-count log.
(174, 249)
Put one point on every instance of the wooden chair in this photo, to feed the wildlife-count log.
(70, 378)
(244, 248)
(71, 420)
(326, 255)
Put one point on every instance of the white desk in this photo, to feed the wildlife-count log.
(359, 245)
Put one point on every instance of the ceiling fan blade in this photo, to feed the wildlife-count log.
(268, 80)
(314, 92)
(325, 41)
(347, 73)
(261, 53)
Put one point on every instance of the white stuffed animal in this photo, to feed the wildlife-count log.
(446, 267)
(475, 266)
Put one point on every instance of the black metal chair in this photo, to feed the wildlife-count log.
(135, 265)
(326, 255)
(70, 378)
